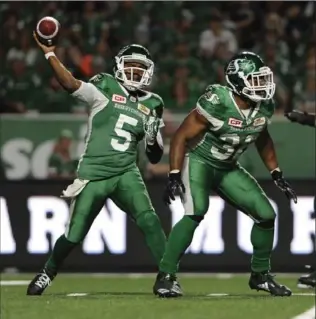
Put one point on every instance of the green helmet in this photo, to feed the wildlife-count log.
(248, 76)
(134, 53)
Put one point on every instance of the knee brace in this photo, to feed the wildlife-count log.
(266, 224)
(196, 218)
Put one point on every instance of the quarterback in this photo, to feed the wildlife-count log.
(203, 157)
(121, 114)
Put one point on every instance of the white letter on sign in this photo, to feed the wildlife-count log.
(108, 228)
(7, 243)
(303, 226)
(244, 226)
(42, 225)
(208, 236)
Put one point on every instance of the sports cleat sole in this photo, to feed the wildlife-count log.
(274, 295)
(168, 295)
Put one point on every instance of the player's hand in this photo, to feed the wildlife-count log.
(42, 46)
(296, 116)
(174, 185)
(283, 185)
(151, 128)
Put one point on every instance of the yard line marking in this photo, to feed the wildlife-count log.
(309, 314)
(304, 294)
(77, 294)
(14, 282)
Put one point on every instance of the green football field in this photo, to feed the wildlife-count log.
(130, 297)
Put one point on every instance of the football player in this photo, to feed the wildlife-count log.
(122, 113)
(304, 118)
(225, 121)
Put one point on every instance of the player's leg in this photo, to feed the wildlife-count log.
(241, 190)
(83, 210)
(196, 176)
(131, 196)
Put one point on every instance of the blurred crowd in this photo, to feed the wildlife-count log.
(190, 42)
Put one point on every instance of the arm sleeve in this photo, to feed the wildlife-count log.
(154, 151)
(88, 93)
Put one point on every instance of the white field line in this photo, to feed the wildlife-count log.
(309, 314)
(151, 275)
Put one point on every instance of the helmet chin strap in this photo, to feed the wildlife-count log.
(130, 87)
(245, 99)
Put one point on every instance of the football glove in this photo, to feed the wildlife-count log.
(174, 185)
(283, 185)
(151, 128)
(301, 117)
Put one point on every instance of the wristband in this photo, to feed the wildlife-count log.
(276, 169)
(49, 54)
(174, 171)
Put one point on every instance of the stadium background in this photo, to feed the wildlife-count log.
(190, 42)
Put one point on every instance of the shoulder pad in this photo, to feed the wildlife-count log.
(214, 94)
(159, 99)
(101, 80)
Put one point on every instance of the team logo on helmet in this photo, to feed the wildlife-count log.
(246, 66)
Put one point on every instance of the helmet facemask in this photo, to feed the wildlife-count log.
(135, 71)
(259, 86)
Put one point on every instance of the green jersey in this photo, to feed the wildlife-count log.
(115, 126)
(231, 129)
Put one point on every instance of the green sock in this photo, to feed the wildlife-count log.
(61, 250)
(262, 242)
(155, 237)
(179, 240)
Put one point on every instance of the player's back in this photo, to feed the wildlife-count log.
(115, 126)
(231, 130)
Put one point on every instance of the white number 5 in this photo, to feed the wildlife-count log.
(122, 147)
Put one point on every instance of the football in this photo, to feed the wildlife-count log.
(47, 30)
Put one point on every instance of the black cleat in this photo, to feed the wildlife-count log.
(40, 282)
(265, 282)
(166, 286)
(309, 280)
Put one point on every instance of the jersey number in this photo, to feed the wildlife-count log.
(123, 119)
(232, 150)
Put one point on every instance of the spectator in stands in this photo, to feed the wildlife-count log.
(216, 34)
(215, 68)
(92, 31)
(282, 75)
(56, 101)
(305, 86)
(22, 86)
(10, 30)
(181, 92)
(244, 20)
(61, 164)
(24, 48)
(182, 57)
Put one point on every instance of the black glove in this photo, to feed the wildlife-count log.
(301, 117)
(283, 185)
(174, 184)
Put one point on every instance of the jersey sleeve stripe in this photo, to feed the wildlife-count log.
(216, 123)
